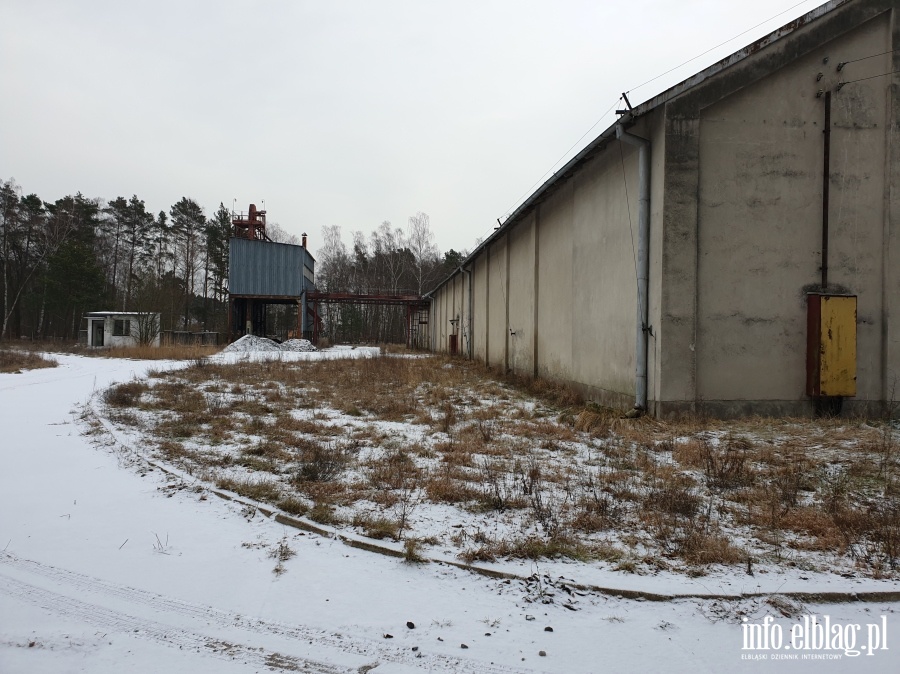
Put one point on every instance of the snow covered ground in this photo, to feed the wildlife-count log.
(109, 565)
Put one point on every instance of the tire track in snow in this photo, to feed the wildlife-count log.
(227, 619)
(116, 621)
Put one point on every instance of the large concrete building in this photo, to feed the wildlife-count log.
(741, 200)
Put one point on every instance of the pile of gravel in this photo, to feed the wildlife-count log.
(252, 344)
(297, 345)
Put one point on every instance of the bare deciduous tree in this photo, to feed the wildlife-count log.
(425, 253)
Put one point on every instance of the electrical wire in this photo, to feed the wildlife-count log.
(643, 84)
(863, 58)
(722, 44)
(565, 154)
(541, 179)
(863, 79)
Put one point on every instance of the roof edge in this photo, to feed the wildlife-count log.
(640, 110)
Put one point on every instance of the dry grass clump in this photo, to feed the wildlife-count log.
(172, 450)
(702, 547)
(125, 395)
(262, 490)
(269, 449)
(412, 551)
(321, 461)
(446, 489)
(395, 469)
(529, 547)
(17, 360)
(323, 513)
(293, 505)
(377, 527)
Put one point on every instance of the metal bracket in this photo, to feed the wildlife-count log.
(628, 103)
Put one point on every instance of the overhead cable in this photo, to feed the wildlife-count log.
(574, 145)
(721, 44)
(863, 58)
(863, 79)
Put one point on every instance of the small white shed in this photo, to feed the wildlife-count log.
(122, 328)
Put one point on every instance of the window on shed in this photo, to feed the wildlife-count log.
(121, 327)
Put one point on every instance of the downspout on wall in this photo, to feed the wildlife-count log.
(432, 319)
(471, 333)
(643, 266)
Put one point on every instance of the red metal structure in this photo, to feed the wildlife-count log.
(416, 309)
(253, 226)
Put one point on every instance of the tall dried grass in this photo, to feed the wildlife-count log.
(17, 360)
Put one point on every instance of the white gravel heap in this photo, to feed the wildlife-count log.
(297, 345)
(251, 343)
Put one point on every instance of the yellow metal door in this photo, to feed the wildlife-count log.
(837, 346)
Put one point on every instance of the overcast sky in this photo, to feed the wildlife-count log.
(336, 113)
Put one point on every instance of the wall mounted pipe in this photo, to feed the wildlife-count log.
(826, 182)
(471, 334)
(643, 265)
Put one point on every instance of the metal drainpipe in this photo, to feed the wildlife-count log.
(643, 265)
(432, 319)
(469, 315)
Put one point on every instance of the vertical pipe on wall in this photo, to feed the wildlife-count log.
(536, 291)
(469, 332)
(643, 265)
(826, 180)
(487, 304)
(506, 300)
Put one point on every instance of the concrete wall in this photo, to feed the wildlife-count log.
(735, 234)
(451, 303)
(555, 292)
(743, 218)
(521, 333)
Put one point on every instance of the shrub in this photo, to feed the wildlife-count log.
(125, 395)
(322, 461)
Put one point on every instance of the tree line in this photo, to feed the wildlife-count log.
(390, 261)
(77, 254)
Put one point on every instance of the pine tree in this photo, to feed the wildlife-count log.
(188, 225)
